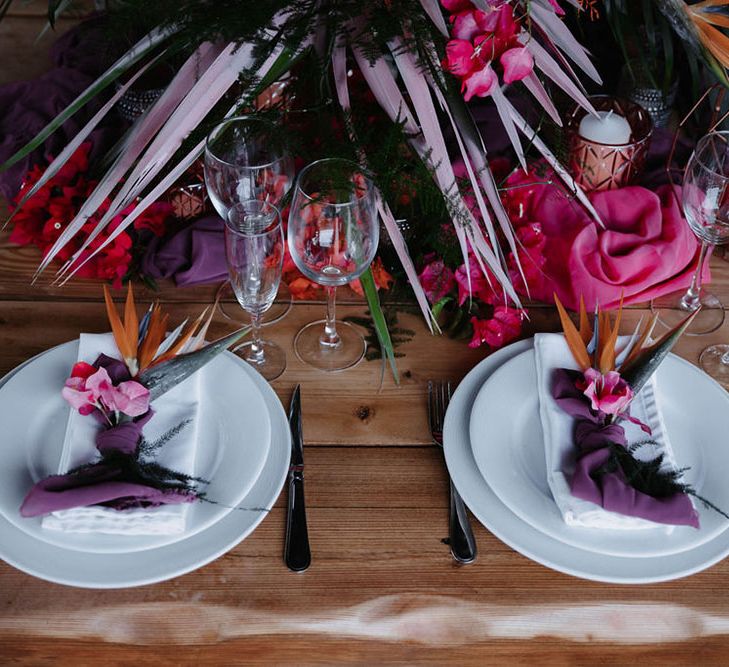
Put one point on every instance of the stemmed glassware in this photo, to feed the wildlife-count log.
(245, 159)
(705, 199)
(332, 236)
(254, 249)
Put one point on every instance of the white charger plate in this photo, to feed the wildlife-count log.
(123, 570)
(234, 437)
(508, 445)
(529, 541)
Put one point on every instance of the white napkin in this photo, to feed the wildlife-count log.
(175, 406)
(552, 351)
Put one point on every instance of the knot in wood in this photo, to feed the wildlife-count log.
(364, 412)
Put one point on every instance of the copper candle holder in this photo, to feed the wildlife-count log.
(596, 166)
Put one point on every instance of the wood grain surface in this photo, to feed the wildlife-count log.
(382, 588)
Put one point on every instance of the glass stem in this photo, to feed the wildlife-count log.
(255, 352)
(330, 337)
(692, 299)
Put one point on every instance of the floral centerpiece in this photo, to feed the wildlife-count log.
(419, 62)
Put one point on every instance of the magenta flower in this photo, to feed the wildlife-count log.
(459, 57)
(481, 83)
(479, 285)
(608, 393)
(502, 328)
(456, 5)
(471, 23)
(517, 63)
(437, 280)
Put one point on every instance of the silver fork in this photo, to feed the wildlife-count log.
(462, 542)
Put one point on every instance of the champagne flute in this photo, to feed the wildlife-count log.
(333, 235)
(705, 199)
(254, 250)
(245, 158)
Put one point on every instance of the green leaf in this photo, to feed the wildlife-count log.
(438, 307)
(168, 374)
(367, 281)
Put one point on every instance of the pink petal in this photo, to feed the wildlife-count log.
(459, 60)
(480, 83)
(132, 398)
(78, 399)
(518, 63)
(101, 386)
(456, 5)
(466, 25)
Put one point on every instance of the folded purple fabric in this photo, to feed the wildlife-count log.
(100, 484)
(107, 482)
(195, 255)
(26, 107)
(610, 489)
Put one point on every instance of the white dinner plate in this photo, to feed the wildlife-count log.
(508, 445)
(234, 436)
(529, 541)
(123, 570)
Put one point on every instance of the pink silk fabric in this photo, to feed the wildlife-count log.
(645, 251)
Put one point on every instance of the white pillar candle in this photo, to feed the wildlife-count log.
(607, 127)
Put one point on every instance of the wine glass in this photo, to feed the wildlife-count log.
(333, 235)
(705, 199)
(245, 158)
(254, 250)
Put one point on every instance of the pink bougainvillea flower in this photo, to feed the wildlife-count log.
(608, 393)
(481, 83)
(102, 387)
(437, 280)
(78, 396)
(471, 23)
(502, 328)
(517, 63)
(460, 59)
(479, 284)
(131, 398)
(456, 5)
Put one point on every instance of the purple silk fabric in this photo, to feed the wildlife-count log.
(193, 256)
(100, 484)
(610, 490)
(26, 107)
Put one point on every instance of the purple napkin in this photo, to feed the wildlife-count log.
(26, 107)
(105, 483)
(610, 490)
(195, 255)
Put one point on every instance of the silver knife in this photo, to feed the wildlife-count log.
(297, 553)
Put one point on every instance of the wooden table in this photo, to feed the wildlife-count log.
(382, 587)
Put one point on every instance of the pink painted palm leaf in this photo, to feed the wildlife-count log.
(134, 55)
(140, 135)
(55, 166)
(542, 13)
